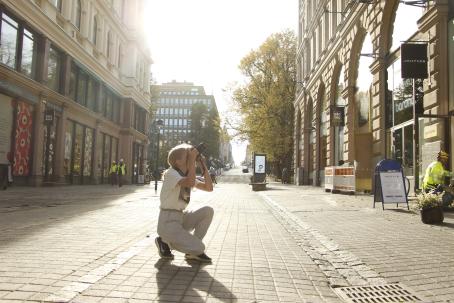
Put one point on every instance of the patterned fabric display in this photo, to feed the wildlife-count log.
(22, 138)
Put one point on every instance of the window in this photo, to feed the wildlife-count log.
(109, 45)
(78, 14)
(82, 80)
(8, 41)
(119, 56)
(95, 30)
(54, 69)
(28, 57)
(57, 4)
(92, 95)
(73, 82)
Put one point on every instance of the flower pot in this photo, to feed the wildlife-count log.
(432, 215)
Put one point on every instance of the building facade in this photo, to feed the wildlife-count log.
(352, 106)
(74, 92)
(173, 103)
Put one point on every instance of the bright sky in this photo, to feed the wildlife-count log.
(203, 41)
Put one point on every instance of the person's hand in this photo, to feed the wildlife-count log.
(192, 154)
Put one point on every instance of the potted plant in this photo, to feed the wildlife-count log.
(431, 209)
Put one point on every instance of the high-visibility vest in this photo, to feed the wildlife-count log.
(434, 176)
(122, 169)
(113, 168)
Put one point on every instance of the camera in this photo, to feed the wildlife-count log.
(201, 148)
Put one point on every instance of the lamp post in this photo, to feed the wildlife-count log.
(159, 124)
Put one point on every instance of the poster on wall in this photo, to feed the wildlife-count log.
(6, 127)
(260, 162)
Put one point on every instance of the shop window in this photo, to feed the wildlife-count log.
(68, 147)
(6, 127)
(88, 152)
(99, 148)
(54, 69)
(78, 145)
(107, 156)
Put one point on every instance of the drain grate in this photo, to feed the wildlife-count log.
(386, 293)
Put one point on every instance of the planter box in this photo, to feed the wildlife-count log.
(432, 215)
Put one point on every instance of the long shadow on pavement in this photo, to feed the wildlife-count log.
(177, 282)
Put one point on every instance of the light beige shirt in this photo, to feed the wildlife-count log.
(170, 191)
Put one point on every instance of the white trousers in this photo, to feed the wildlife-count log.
(184, 231)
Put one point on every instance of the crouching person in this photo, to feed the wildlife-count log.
(178, 228)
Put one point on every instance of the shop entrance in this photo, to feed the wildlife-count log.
(402, 146)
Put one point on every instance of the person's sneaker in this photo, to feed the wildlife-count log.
(163, 249)
(201, 258)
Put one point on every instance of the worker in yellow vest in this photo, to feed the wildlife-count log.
(113, 173)
(434, 179)
(436, 173)
(121, 171)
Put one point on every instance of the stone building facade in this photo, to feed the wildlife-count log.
(74, 89)
(349, 64)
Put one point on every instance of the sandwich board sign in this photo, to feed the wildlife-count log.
(390, 184)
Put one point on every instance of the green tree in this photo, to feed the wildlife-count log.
(206, 128)
(265, 102)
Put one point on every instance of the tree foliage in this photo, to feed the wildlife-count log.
(265, 102)
(206, 128)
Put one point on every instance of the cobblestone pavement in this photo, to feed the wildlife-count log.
(369, 244)
(90, 244)
(285, 244)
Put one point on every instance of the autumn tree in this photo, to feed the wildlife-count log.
(265, 101)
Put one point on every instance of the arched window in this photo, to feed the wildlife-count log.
(78, 13)
(363, 85)
(339, 129)
(95, 30)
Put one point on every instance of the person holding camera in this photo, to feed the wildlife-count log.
(179, 228)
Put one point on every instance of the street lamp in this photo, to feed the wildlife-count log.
(159, 124)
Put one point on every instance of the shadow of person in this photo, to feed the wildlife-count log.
(189, 282)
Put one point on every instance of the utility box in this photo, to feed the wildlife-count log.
(340, 179)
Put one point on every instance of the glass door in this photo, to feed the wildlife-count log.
(402, 147)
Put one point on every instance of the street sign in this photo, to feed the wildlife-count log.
(49, 116)
(390, 184)
(414, 60)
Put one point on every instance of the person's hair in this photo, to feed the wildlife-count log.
(177, 153)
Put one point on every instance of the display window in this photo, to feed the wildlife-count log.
(6, 127)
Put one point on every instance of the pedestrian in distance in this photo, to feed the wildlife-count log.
(113, 173)
(213, 175)
(121, 172)
(178, 228)
(284, 175)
